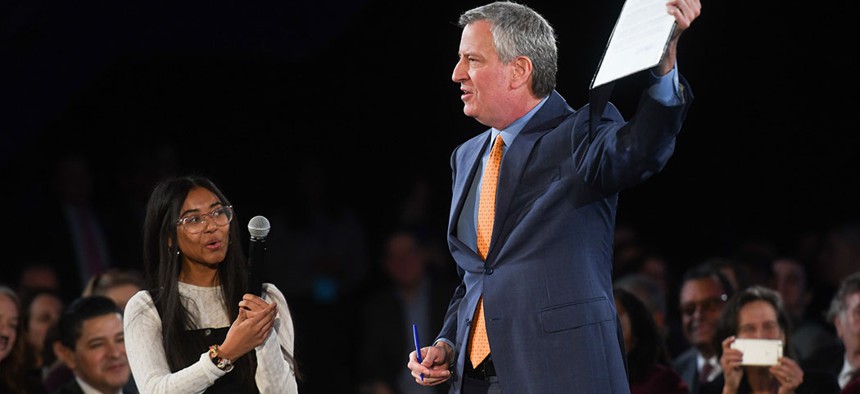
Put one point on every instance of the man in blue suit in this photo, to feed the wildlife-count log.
(541, 289)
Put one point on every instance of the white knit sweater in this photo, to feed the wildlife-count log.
(148, 362)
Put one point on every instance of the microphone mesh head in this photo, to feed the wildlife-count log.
(259, 227)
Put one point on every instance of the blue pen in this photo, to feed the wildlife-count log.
(417, 346)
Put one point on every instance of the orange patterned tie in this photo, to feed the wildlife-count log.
(479, 345)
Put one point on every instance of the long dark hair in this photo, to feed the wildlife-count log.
(649, 348)
(163, 264)
(34, 358)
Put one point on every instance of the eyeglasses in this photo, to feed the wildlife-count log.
(709, 304)
(196, 223)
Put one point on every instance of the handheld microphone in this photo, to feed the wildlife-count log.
(259, 228)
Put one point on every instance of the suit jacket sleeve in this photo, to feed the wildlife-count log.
(623, 154)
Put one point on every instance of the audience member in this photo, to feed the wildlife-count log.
(14, 377)
(648, 362)
(650, 293)
(634, 255)
(789, 280)
(756, 313)
(809, 333)
(752, 258)
(42, 309)
(837, 259)
(843, 359)
(704, 291)
(92, 344)
(36, 275)
(117, 284)
(733, 271)
(840, 253)
(414, 293)
(656, 267)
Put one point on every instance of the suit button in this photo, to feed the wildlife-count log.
(488, 270)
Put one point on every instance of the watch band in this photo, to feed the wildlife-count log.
(220, 362)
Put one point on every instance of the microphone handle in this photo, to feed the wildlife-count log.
(256, 262)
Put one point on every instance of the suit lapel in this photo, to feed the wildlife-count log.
(515, 161)
(470, 155)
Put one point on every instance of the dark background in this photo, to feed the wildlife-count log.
(247, 92)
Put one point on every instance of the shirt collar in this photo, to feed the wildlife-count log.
(513, 130)
(701, 360)
(845, 373)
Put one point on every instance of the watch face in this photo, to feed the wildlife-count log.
(225, 365)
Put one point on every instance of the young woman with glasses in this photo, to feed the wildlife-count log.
(194, 329)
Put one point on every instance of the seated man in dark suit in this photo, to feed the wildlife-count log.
(704, 291)
(843, 359)
(92, 345)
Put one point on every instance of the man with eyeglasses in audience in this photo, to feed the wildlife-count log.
(704, 291)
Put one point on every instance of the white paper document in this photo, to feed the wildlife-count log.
(637, 41)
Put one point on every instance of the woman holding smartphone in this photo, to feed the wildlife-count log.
(757, 313)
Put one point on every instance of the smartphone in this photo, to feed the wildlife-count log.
(762, 352)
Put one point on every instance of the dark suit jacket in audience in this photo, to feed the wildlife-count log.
(829, 360)
(687, 366)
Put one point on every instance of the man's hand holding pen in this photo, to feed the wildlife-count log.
(435, 365)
